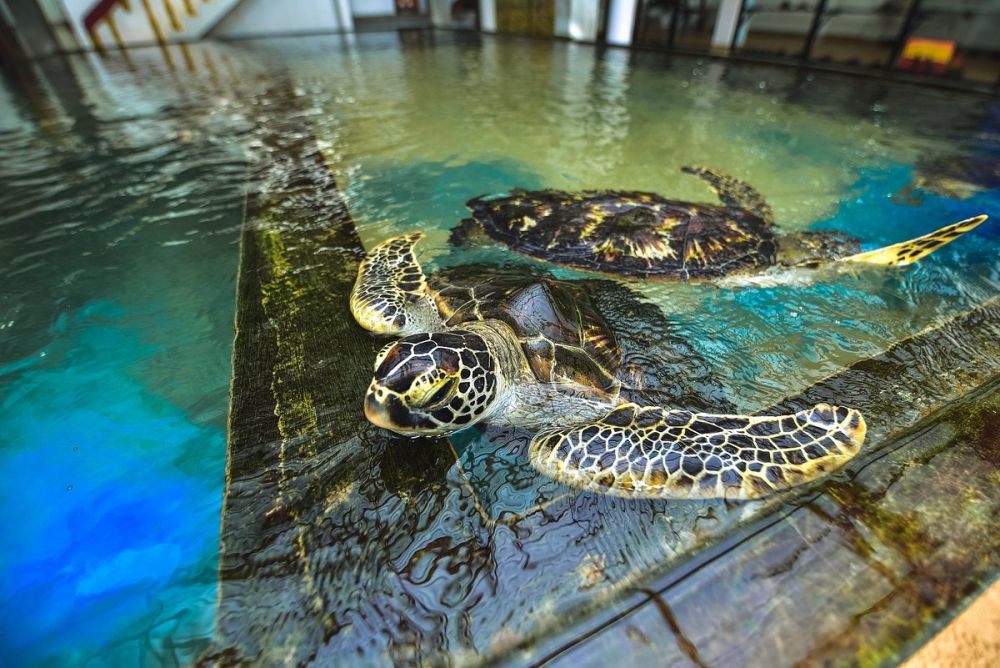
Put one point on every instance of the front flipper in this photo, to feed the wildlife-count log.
(733, 192)
(651, 452)
(908, 252)
(390, 295)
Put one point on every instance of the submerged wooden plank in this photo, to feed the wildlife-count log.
(297, 371)
(863, 569)
(917, 375)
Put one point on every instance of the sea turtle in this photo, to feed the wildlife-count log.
(644, 234)
(541, 357)
(953, 176)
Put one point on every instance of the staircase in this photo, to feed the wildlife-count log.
(128, 22)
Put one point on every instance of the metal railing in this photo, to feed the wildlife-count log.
(103, 13)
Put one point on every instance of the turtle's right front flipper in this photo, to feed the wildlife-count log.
(734, 192)
(390, 295)
(651, 452)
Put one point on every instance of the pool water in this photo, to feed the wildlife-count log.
(122, 206)
(119, 240)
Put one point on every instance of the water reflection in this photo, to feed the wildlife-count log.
(482, 555)
(826, 153)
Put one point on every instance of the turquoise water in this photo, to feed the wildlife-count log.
(121, 210)
(104, 494)
(118, 251)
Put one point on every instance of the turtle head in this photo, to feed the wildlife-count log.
(432, 383)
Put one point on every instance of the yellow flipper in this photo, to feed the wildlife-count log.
(907, 252)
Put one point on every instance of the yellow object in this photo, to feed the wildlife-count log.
(174, 22)
(934, 50)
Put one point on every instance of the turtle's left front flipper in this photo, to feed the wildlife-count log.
(651, 452)
(907, 252)
(390, 295)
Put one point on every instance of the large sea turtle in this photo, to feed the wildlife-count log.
(540, 356)
(644, 234)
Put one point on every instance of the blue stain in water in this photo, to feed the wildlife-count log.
(107, 533)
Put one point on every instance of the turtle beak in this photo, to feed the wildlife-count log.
(376, 411)
(392, 414)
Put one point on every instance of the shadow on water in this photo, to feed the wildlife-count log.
(121, 211)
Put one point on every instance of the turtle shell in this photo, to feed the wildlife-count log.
(564, 337)
(630, 233)
(596, 333)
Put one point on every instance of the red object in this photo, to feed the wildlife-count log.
(98, 12)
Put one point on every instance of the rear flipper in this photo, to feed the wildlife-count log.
(733, 192)
(390, 295)
(907, 252)
(468, 233)
(651, 452)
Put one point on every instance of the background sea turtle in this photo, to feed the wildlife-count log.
(540, 356)
(644, 234)
(952, 176)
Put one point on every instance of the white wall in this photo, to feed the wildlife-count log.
(563, 10)
(263, 17)
(488, 15)
(134, 25)
(577, 19)
(583, 20)
(726, 23)
(441, 13)
(239, 18)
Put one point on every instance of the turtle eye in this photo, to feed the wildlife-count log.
(382, 354)
(438, 394)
